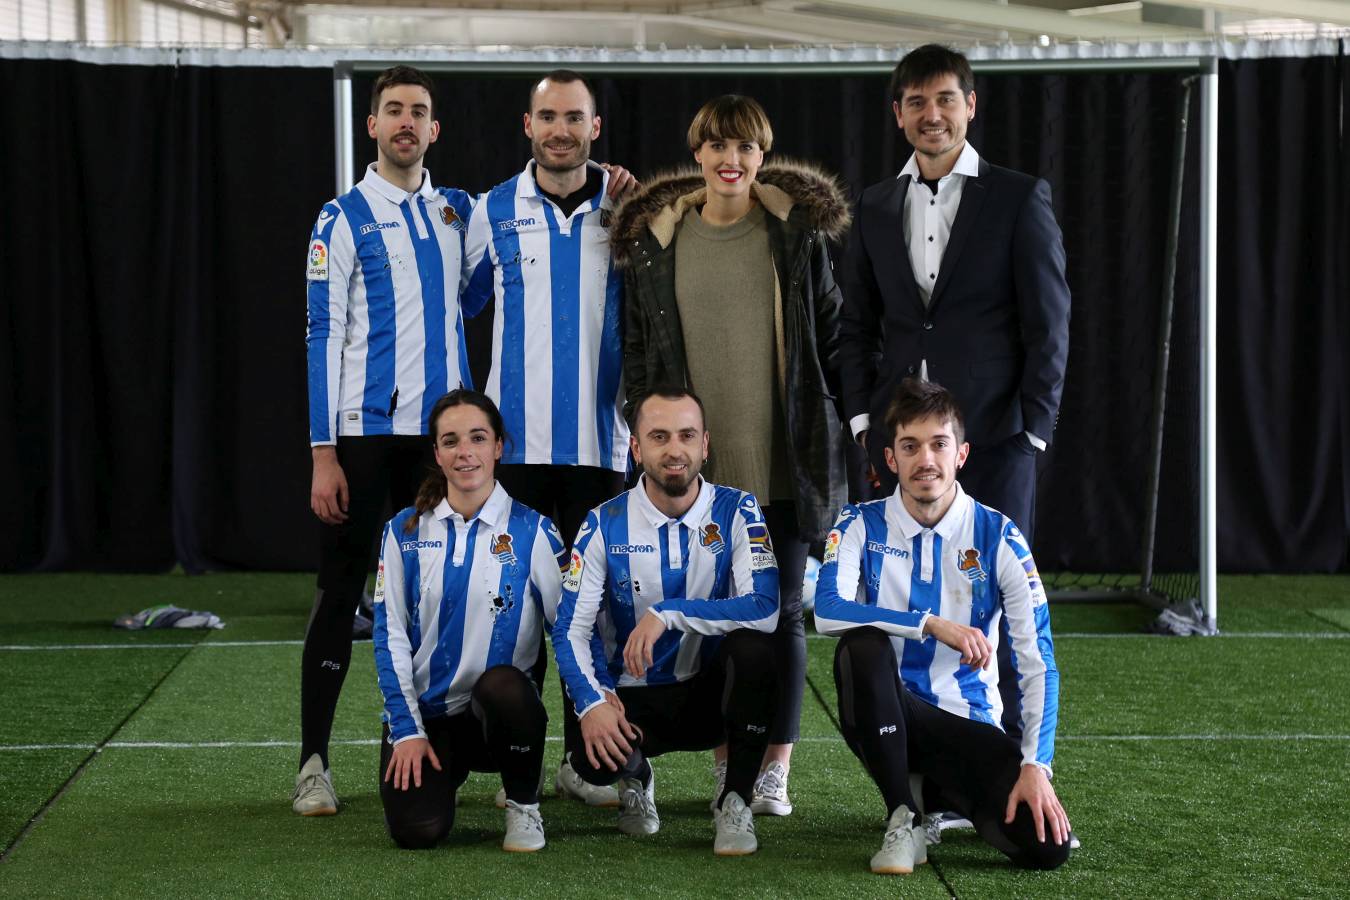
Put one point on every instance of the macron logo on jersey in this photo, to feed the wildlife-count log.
(626, 549)
(421, 545)
(887, 549)
(513, 224)
(378, 226)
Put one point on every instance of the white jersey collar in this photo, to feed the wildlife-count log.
(692, 517)
(392, 192)
(526, 186)
(946, 528)
(495, 513)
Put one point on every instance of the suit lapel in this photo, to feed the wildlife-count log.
(972, 198)
(903, 272)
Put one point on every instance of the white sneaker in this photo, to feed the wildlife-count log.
(500, 798)
(313, 794)
(903, 847)
(719, 782)
(771, 796)
(637, 807)
(735, 825)
(569, 784)
(524, 828)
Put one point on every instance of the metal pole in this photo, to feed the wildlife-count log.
(342, 126)
(1209, 264)
(1165, 335)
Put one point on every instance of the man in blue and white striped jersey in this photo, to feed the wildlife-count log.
(385, 342)
(681, 578)
(538, 244)
(922, 586)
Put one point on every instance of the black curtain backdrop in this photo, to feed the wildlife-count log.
(153, 403)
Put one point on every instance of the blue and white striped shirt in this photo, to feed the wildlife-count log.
(707, 573)
(557, 353)
(385, 336)
(454, 598)
(883, 569)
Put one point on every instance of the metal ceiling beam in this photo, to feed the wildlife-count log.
(1335, 12)
(1011, 18)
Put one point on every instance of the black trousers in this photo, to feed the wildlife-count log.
(973, 765)
(730, 700)
(789, 637)
(1001, 476)
(565, 494)
(383, 473)
(502, 731)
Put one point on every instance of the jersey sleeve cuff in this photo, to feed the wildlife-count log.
(1049, 772)
(581, 713)
(860, 423)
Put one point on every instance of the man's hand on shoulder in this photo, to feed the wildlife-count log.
(637, 653)
(1034, 789)
(974, 647)
(607, 734)
(621, 181)
(328, 490)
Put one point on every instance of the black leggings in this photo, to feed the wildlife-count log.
(789, 638)
(501, 731)
(893, 733)
(565, 494)
(730, 700)
(380, 470)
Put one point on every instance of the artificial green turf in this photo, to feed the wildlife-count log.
(1213, 813)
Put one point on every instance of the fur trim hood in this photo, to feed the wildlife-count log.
(660, 204)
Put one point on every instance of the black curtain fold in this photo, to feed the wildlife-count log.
(153, 404)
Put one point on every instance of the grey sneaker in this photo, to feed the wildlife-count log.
(524, 828)
(771, 796)
(569, 784)
(735, 825)
(719, 782)
(938, 822)
(902, 848)
(637, 807)
(313, 794)
(500, 799)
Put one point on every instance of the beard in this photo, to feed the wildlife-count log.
(580, 154)
(673, 484)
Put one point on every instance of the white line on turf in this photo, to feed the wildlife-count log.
(1068, 635)
(814, 739)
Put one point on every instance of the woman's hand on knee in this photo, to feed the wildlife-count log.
(406, 762)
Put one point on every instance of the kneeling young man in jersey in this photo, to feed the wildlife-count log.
(680, 577)
(922, 586)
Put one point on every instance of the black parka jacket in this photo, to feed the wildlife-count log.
(804, 207)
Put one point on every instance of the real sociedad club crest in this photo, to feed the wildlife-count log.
(501, 548)
(451, 218)
(712, 538)
(969, 564)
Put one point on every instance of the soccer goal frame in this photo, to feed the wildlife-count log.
(1187, 58)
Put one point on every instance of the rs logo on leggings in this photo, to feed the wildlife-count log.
(887, 729)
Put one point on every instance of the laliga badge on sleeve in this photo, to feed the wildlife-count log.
(317, 269)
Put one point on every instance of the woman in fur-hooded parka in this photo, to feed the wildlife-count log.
(803, 208)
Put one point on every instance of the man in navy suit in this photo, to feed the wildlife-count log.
(955, 273)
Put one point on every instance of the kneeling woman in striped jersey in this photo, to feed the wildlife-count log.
(467, 579)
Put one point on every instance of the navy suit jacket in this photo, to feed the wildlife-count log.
(996, 331)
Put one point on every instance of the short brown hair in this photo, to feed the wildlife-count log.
(731, 116)
(561, 76)
(401, 75)
(922, 65)
(915, 400)
(665, 392)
